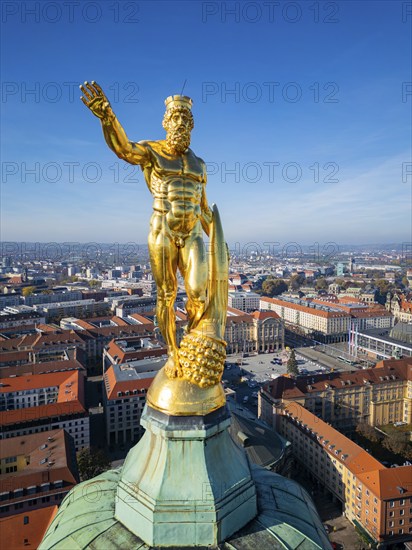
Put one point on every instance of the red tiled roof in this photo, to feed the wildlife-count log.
(48, 458)
(390, 483)
(350, 454)
(84, 324)
(119, 321)
(306, 309)
(36, 341)
(26, 530)
(70, 399)
(235, 311)
(262, 315)
(114, 386)
(41, 327)
(289, 388)
(40, 368)
(141, 319)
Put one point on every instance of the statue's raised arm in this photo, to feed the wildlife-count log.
(95, 100)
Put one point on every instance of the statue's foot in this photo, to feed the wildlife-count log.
(172, 367)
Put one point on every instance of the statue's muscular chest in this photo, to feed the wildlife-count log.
(168, 168)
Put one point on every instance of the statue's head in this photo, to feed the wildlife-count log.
(178, 122)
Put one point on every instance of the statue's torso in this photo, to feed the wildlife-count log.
(176, 184)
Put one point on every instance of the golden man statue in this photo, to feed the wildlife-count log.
(176, 178)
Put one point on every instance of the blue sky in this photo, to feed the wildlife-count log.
(312, 145)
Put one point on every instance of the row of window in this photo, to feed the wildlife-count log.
(32, 502)
(400, 531)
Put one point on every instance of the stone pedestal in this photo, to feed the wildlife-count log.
(185, 483)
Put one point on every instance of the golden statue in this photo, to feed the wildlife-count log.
(176, 178)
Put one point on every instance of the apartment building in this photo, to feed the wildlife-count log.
(244, 301)
(126, 350)
(324, 323)
(259, 331)
(240, 333)
(376, 499)
(124, 397)
(269, 331)
(400, 305)
(42, 402)
(42, 346)
(375, 396)
(52, 297)
(77, 308)
(36, 471)
(363, 316)
(13, 320)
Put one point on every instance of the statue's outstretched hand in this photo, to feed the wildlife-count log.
(95, 99)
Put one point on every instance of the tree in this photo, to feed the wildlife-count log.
(28, 290)
(92, 462)
(292, 366)
(383, 286)
(321, 284)
(296, 281)
(398, 443)
(368, 431)
(274, 287)
(405, 282)
(94, 283)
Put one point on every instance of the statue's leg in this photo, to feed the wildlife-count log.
(163, 259)
(194, 268)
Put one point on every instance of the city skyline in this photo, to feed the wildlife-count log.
(303, 121)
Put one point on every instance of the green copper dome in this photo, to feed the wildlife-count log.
(287, 518)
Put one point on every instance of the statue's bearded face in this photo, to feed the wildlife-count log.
(178, 123)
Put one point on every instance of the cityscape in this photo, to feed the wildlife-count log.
(318, 356)
(211, 351)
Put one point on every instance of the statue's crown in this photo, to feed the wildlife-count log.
(178, 101)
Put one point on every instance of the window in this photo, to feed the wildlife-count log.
(26, 520)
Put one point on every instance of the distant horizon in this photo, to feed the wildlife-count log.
(266, 244)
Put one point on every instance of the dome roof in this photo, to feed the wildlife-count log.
(287, 518)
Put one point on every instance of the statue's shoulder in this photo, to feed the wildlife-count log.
(200, 160)
(155, 146)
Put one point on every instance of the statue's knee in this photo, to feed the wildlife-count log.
(166, 297)
(198, 299)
